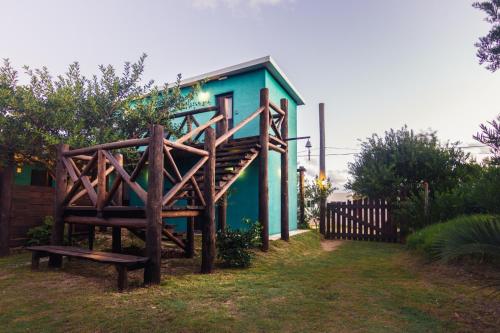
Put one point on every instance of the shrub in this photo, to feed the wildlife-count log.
(439, 241)
(234, 246)
(41, 235)
(476, 239)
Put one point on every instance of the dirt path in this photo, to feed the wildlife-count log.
(331, 245)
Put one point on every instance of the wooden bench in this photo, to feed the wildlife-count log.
(122, 262)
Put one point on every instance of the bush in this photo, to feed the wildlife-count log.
(234, 246)
(41, 235)
(456, 238)
(476, 239)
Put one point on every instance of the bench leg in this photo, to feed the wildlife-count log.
(122, 277)
(55, 260)
(91, 237)
(35, 260)
(117, 240)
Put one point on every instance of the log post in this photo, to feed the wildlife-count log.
(152, 272)
(222, 128)
(61, 187)
(7, 185)
(322, 174)
(263, 169)
(285, 233)
(117, 231)
(208, 228)
(190, 238)
(302, 205)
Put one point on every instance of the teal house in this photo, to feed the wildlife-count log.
(240, 85)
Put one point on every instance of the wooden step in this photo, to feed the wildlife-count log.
(224, 153)
(234, 157)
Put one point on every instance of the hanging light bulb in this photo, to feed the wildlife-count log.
(308, 146)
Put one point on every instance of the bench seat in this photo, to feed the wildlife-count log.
(122, 262)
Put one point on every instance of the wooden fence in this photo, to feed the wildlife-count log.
(364, 219)
(30, 204)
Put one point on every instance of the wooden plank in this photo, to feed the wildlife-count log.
(152, 273)
(377, 220)
(348, 219)
(208, 230)
(102, 257)
(339, 219)
(343, 219)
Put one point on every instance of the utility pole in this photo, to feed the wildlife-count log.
(322, 167)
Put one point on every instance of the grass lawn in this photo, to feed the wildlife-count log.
(296, 287)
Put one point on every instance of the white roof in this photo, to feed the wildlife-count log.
(265, 62)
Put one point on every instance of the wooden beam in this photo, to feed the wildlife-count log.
(116, 244)
(222, 126)
(152, 272)
(7, 183)
(61, 187)
(208, 231)
(101, 181)
(285, 234)
(108, 146)
(236, 128)
(222, 213)
(264, 168)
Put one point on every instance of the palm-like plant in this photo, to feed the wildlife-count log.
(479, 238)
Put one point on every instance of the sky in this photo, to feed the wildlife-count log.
(376, 64)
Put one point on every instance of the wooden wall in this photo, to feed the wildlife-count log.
(30, 204)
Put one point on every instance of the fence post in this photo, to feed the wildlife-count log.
(6, 204)
(208, 229)
(285, 233)
(302, 204)
(61, 187)
(263, 169)
(152, 272)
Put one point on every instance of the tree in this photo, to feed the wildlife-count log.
(489, 46)
(490, 136)
(394, 166)
(80, 111)
(314, 191)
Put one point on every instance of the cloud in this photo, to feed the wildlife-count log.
(255, 4)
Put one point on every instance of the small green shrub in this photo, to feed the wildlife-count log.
(41, 235)
(439, 241)
(234, 246)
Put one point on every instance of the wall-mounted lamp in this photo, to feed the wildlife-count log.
(19, 169)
